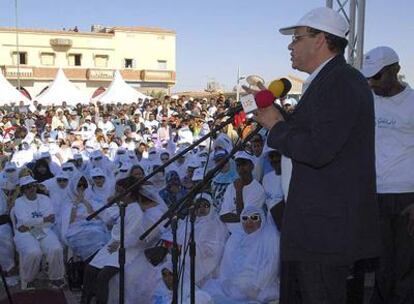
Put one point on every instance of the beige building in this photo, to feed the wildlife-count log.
(145, 57)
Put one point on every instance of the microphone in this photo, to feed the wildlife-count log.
(277, 89)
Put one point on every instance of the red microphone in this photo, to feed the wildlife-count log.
(264, 99)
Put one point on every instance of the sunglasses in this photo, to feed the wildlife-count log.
(67, 169)
(61, 180)
(377, 76)
(98, 158)
(98, 177)
(253, 218)
(10, 170)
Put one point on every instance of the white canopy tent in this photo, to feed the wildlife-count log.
(61, 89)
(9, 94)
(120, 91)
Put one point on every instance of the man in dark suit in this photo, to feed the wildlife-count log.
(331, 216)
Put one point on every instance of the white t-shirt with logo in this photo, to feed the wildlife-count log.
(394, 142)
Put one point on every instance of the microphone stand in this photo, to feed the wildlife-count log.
(185, 202)
(192, 254)
(121, 252)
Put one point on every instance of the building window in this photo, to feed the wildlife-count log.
(19, 58)
(47, 58)
(75, 59)
(162, 64)
(129, 63)
(101, 61)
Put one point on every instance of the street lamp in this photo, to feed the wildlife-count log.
(17, 45)
(238, 84)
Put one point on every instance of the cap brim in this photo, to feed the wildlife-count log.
(290, 30)
(370, 71)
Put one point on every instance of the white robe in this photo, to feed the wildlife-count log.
(30, 249)
(249, 267)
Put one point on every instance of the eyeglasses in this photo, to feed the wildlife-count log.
(253, 218)
(296, 38)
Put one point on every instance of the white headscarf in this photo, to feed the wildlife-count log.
(211, 236)
(249, 267)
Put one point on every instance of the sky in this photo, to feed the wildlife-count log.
(216, 37)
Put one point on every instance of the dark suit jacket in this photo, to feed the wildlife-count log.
(331, 213)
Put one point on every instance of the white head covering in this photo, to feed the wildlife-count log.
(250, 261)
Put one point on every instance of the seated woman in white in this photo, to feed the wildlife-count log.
(140, 275)
(33, 237)
(84, 237)
(100, 191)
(210, 236)
(249, 268)
(6, 232)
(57, 187)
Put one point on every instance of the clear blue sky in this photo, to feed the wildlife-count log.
(215, 36)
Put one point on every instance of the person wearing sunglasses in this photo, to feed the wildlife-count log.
(57, 188)
(394, 146)
(34, 237)
(249, 267)
(331, 218)
(84, 237)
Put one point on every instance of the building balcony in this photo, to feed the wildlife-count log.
(14, 72)
(158, 76)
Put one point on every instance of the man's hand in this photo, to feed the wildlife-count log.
(23, 228)
(409, 211)
(268, 117)
(49, 219)
(113, 246)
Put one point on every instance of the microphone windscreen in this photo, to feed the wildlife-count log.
(287, 86)
(276, 87)
(264, 99)
(280, 87)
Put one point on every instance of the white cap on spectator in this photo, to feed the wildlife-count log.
(378, 58)
(26, 180)
(243, 155)
(322, 18)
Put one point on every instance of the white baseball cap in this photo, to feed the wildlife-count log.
(322, 18)
(26, 180)
(243, 155)
(378, 58)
